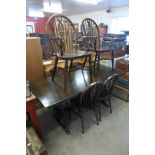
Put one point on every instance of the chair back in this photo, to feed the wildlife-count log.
(89, 28)
(47, 50)
(46, 46)
(89, 98)
(44, 39)
(62, 33)
(108, 85)
(90, 43)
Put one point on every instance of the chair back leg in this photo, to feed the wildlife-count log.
(82, 121)
(96, 114)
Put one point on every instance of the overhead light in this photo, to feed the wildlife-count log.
(52, 6)
(90, 1)
(33, 13)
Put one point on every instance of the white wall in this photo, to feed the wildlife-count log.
(101, 16)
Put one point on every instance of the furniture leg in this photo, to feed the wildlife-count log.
(31, 110)
(90, 68)
(98, 62)
(99, 112)
(69, 112)
(112, 60)
(55, 68)
(70, 67)
(110, 104)
(59, 117)
(84, 62)
(95, 59)
(82, 121)
(66, 73)
(96, 114)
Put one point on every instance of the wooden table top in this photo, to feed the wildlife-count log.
(50, 93)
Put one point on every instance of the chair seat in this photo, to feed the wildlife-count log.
(49, 66)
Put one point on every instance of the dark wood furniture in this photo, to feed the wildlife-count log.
(89, 100)
(90, 29)
(105, 97)
(90, 43)
(71, 56)
(53, 94)
(64, 42)
(117, 43)
(90, 32)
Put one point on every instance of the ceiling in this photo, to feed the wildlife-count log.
(71, 7)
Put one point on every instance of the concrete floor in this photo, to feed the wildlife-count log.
(111, 137)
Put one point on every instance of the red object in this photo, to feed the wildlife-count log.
(31, 111)
(40, 23)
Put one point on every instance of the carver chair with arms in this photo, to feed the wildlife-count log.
(63, 40)
(113, 49)
(90, 33)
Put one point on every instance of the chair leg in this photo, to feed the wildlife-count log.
(110, 105)
(112, 60)
(82, 121)
(55, 68)
(96, 114)
(69, 113)
(66, 73)
(99, 113)
(84, 63)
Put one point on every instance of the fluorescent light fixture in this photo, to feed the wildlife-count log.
(90, 1)
(33, 13)
(53, 7)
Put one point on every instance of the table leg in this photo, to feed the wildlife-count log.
(59, 117)
(31, 110)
